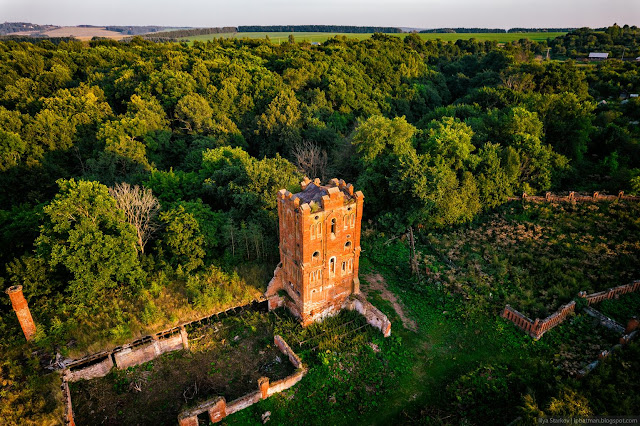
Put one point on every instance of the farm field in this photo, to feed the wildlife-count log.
(279, 37)
(83, 33)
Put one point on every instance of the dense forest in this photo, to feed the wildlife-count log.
(615, 40)
(138, 179)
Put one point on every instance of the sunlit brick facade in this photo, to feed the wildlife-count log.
(319, 248)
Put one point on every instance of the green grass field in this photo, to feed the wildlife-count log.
(321, 37)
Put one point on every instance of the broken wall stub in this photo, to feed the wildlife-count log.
(21, 308)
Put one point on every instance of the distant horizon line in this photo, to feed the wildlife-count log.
(327, 25)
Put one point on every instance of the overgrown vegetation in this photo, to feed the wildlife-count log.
(436, 134)
(226, 358)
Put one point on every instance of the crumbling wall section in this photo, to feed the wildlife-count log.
(538, 327)
(612, 293)
(573, 197)
(66, 398)
(218, 408)
(135, 355)
(98, 368)
(374, 316)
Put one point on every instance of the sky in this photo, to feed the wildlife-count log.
(397, 13)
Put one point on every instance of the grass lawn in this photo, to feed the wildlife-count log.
(280, 37)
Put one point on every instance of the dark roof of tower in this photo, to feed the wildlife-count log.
(315, 193)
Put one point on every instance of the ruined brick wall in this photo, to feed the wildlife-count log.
(611, 293)
(572, 197)
(66, 399)
(374, 316)
(140, 354)
(538, 327)
(286, 350)
(319, 248)
(98, 368)
(218, 408)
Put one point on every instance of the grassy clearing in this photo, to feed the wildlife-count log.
(622, 309)
(226, 358)
(536, 257)
(281, 37)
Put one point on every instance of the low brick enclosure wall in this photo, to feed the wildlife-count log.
(611, 293)
(538, 327)
(131, 354)
(572, 197)
(355, 302)
(218, 408)
(374, 316)
(630, 333)
(144, 349)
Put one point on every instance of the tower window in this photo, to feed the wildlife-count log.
(313, 231)
(344, 267)
(350, 265)
(333, 226)
(332, 266)
(347, 245)
(320, 230)
(316, 255)
(353, 219)
(346, 221)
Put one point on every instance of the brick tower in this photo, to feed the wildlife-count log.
(319, 249)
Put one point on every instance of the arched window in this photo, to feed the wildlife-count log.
(320, 230)
(347, 245)
(315, 256)
(332, 266)
(344, 268)
(353, 220)
(350, 265)
(313, 231)
(333, 226)
(346, 221)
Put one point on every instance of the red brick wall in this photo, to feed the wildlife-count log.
(573, 197)
(612, 292)
(218, 408)
(538, 327)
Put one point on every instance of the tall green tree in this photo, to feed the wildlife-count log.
(87, 237)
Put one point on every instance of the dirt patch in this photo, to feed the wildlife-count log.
(377, 283)
(226, 359)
